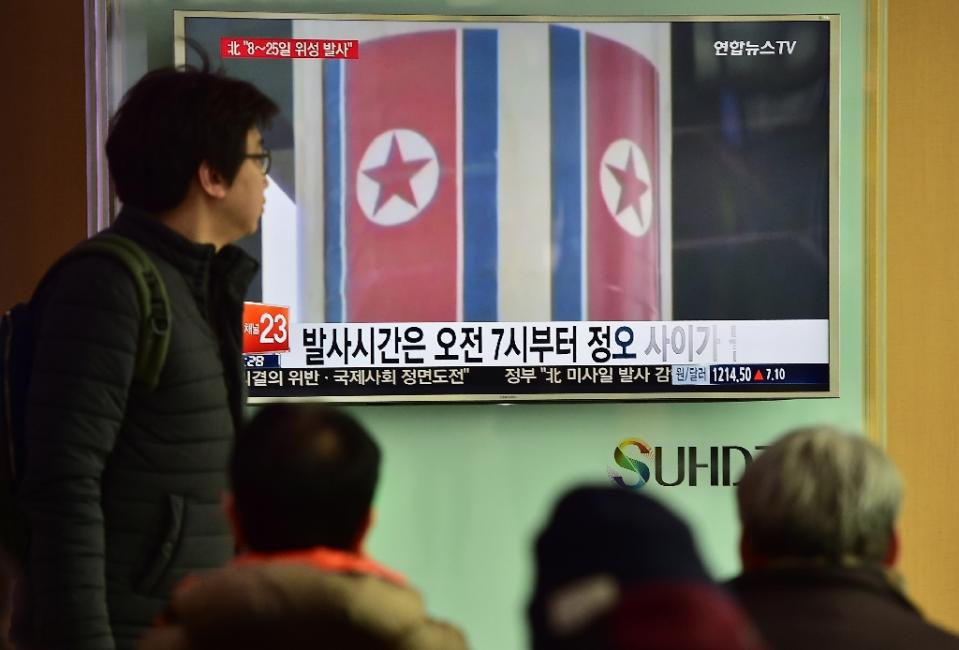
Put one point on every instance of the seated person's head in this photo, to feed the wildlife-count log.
(616, 570)
(819, 494)
(302, 476)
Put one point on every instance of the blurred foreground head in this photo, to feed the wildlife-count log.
(819, 494)
(616, 570)
(303, 475)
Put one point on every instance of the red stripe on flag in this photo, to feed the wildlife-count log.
(406, 271)
(623, 275)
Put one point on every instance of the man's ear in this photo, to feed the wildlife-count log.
(211, 181)
(892, 553)
(229, 508)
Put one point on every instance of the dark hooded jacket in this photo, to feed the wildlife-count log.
(122, 487)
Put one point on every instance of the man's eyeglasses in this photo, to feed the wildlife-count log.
(264, 160)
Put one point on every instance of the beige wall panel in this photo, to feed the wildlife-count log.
(923, 293)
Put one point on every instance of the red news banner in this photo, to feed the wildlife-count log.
(266, 328)
(238, 47)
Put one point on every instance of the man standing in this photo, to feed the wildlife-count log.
(303, 481)
(818, 511)
(122, 485)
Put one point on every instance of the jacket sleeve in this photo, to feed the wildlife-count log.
(83, 366)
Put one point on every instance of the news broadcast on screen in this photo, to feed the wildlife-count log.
(496, 208)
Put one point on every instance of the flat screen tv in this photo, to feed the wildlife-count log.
(495, 208)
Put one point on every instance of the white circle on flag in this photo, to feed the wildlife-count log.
(627, 188)
(397, 177)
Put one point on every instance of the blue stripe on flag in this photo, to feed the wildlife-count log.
(480, 191)
(333, 218)
(566, 167)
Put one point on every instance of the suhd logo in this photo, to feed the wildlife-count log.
(632, 464)
(715, 465)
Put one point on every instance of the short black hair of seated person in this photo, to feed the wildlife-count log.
(303, 475)
(169, 122)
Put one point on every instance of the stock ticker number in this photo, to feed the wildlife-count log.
(746, 374)
(731, 374)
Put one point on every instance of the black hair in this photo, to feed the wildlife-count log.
(303, 476)
(172, 120)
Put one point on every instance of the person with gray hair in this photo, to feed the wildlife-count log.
(818, 510)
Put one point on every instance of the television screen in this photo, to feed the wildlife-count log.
(540, 207)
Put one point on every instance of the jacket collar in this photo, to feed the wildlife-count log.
(818, 575)
(195, 261)
(327, 559)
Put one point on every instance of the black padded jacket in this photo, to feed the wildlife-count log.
(123, 487)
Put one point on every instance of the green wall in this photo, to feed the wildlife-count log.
(466, 487)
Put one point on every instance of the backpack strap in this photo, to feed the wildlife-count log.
(154, 302)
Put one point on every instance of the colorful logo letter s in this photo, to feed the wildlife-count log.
(630, 463)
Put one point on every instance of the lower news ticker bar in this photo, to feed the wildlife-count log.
(268, 380)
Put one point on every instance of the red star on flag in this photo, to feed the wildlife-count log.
(394, 176)
(631, 188)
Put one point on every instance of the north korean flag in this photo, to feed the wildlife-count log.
(606, 168)
(410, 175)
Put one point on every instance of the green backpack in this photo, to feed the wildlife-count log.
(17, 345)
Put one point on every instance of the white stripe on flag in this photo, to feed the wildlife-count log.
(525, 259)
(583, 185)
(308, 162)
(280, 256)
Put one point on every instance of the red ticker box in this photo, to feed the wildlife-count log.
(238, 47)
(266, 328)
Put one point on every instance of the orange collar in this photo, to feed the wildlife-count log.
(327, 559)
